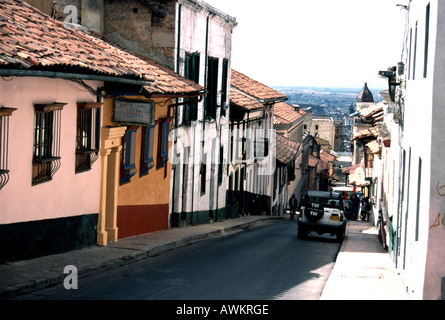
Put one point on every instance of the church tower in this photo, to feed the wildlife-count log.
(364, 98)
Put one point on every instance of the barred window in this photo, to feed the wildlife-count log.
(5, 113)
(87, 135)
(46, 154)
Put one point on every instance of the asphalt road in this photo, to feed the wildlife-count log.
(265, 262)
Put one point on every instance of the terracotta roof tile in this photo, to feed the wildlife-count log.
(313, 161)
(371, 132)
(286, 149)
(254, 88)
(374, 146)
(284, 113)
(31, 40)
(374, 112)
(324, 156)
(244, 101)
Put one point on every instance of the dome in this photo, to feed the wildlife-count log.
(365, 95)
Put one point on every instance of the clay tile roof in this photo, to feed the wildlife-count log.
(374, 112)
(254, 88)
(313, 161)
(374, 146)
(284, 113)
(31, 40)
(286, 149)
(324, 156)
(244, 101)
(371, 132)
(351, 168)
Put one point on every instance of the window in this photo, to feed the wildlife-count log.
(225, 78)
(46, 155)
(164, 130)
(5, 113)
(230, 196)
(87, 136)
(212, 88)
(191, 71)
(147, 162)
(261, 147)
(128, 164)
(220, 165)
(427, 30)
(203, 173)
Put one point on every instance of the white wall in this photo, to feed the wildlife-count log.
(202, 136)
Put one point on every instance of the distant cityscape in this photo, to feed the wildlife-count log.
(324, 100)
(337, 103)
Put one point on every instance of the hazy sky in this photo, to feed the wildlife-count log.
(336, 43)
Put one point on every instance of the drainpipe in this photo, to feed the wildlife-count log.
(206, 58)
(178, 53)
(98, 120)
(178, 49)
(206, 86)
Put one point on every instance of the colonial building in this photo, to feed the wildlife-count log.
(324, 128)
(364, 100)
(399, 149)
(339, 137)
(252, 170)
(68, 98)
(415, 158)
(193, 39)
(289, 122)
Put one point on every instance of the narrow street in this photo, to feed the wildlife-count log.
(266, 262)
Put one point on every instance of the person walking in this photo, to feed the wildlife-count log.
(355, 207)
(293, 204)
(364, 214)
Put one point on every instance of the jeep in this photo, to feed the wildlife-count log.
(322, 212)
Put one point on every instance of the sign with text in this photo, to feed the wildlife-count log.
(134, 112)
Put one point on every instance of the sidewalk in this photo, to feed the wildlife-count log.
(362, 270)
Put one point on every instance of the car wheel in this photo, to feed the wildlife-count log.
(341, 236)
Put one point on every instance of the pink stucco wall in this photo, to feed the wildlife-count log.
(68, 194)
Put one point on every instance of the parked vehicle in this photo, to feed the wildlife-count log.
(322, 212)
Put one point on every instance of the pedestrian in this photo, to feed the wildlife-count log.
(293, 204)
(355, 207)
(365, 208)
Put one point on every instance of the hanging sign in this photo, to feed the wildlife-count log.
(134, 112)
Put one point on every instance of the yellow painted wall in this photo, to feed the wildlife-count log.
(153, 188)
